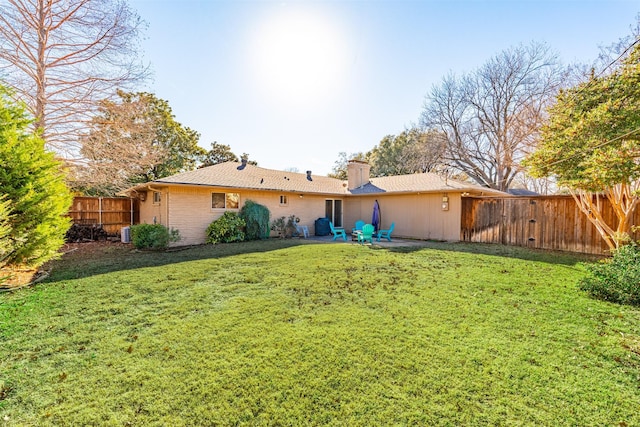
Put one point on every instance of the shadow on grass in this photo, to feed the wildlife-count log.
(88, 259)
(527, 254)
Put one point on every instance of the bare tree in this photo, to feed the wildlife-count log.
(62, 56)
(491, 117)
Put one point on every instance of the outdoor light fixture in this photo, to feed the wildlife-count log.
(143, 196)
(445, 202)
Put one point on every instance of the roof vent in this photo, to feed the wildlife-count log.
(243, 165)
(309, 176)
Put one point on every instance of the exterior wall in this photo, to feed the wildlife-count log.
(190, 209)
(417, 216)
(151, 212)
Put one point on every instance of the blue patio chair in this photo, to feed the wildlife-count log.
(357, 229)
(337, 232)
(359, 225)
(366, 234)
(386, 233)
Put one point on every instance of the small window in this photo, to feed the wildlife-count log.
(217, 200)
(233, 200)
(157, 196)
(284, 200)
(225, 200)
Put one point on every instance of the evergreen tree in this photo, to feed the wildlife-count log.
(32, 183)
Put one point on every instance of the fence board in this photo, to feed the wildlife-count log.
(543, 222)
(112, 213)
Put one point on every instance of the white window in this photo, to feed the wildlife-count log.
(157, 196)
(225, 200)
(284, 200)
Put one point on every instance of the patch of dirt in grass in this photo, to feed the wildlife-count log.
(94, 249)
(15, 278)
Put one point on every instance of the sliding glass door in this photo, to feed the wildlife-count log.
(333, 211)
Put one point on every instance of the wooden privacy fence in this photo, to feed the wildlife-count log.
(543, 222)
(112, 213)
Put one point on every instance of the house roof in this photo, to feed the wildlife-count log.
(522, 192)
(233, 175)
(418, 182)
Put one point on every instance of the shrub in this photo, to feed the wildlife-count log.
(153, 236)
(32, 182)
(226, 229)
(285, 227)
(256, 218)
(616, 279)
(5, 232)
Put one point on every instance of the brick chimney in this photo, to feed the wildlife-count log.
(357, 173)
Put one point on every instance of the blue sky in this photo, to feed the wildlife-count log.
(294, 83)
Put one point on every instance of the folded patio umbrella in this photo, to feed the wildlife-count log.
(375, 218)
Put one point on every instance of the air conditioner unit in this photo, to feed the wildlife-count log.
(125, 234)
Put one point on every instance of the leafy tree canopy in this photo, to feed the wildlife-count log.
(221, 153)
(339, 170)
(591, 146)
(591, 139)
(136, 140)
(412, 151)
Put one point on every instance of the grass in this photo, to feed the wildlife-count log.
(281, 333)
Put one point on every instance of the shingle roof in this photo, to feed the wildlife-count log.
(232, 175)
(417, 182)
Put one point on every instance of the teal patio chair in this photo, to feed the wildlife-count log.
(366, 234)
(337, 232)
(386, 233)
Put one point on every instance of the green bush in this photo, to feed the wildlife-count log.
(616, 279)
(5, 233)
(256, 218)
(32, 182)
(285, 227)
(153, 236)
(226, 229)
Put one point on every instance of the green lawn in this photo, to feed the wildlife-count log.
(292, 333)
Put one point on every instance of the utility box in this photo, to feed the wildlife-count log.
(125, 235)
(322, 227)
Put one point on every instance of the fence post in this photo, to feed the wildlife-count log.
(100, 211)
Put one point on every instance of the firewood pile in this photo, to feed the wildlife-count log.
(85, 233)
